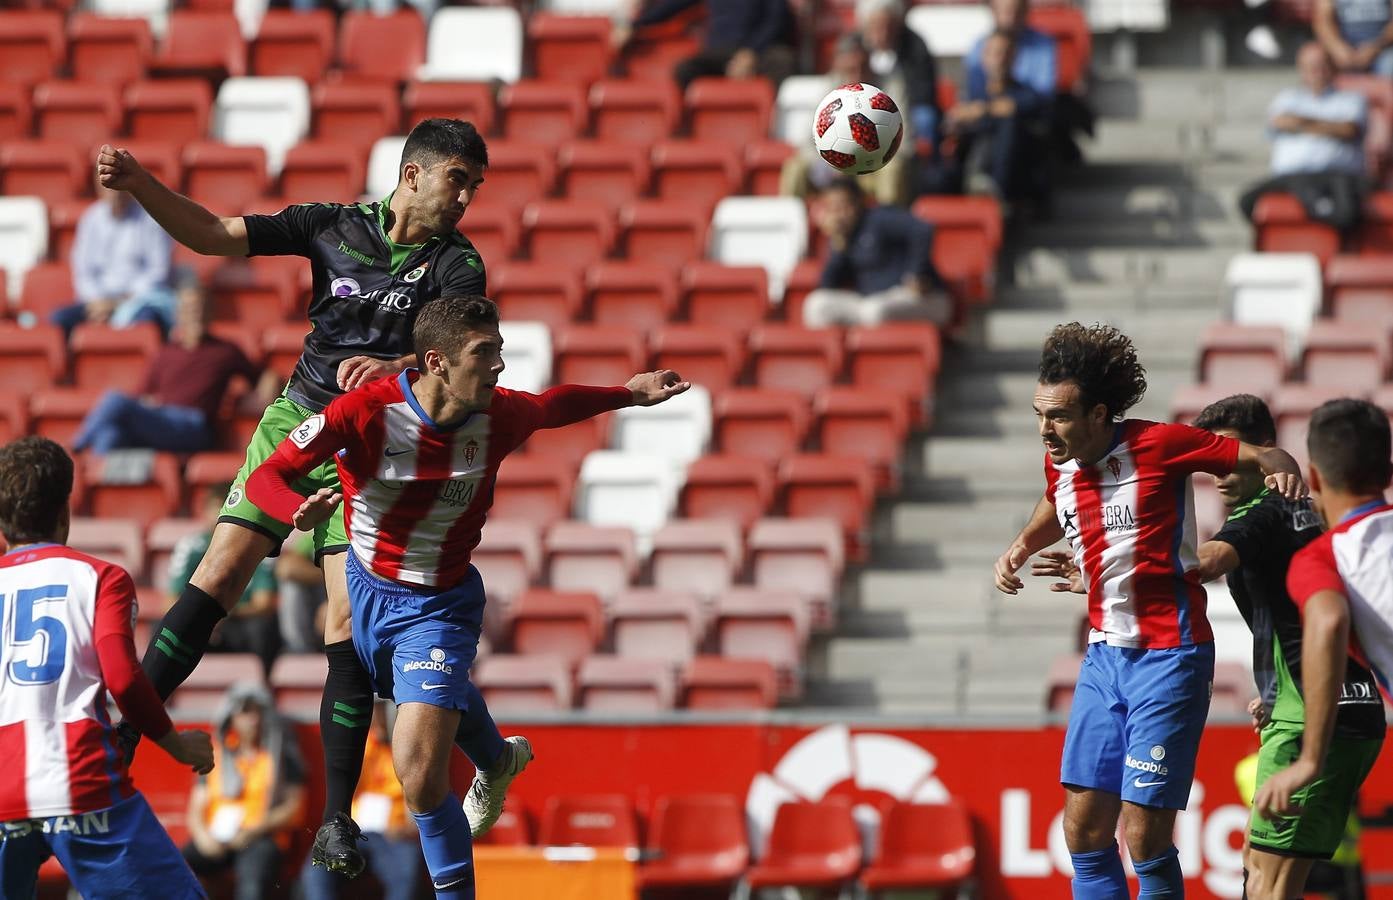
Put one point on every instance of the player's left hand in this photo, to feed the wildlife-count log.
(357, 371)
(652, 388)
(317, 508)
(1260, 713)
(1289, 485)
(1274, 797)
(1059, 564)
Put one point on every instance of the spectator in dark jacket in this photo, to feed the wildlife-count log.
(744, 38)
(900, 62)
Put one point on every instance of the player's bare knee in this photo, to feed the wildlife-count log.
(425, 786)
(1084, 833)
(1149, 832)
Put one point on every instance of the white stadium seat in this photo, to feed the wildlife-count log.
(795, 105)
(154, 11)
(384, 164)
(636, 490)
(950, 29)
(761, 231)
(584, 7)
(474, 44)
(1129, 15)
(681, 426)
(526, 356)
(1275, 289)
(271, 113)
(23, 237)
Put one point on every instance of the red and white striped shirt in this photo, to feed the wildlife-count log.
(416, 495)
(65, 640)
(1130, 519)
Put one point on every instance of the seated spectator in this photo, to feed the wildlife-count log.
(744, 38)
(392, 848)
(900, 63)
(1358, 34)
(880, 268)
(1317, 145)
(1035, 62)
(252, 626)
(302, 595)
(177, 409)
(121, 266)
(241, 815)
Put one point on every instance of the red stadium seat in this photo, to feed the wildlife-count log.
(817, 484)
(656, 49)
(48, 286)
(1292, 406)
(297, 682)
(509, 557)
(110, 491)
(212, 470)
(664, 233)
(717, 683)
(731, 296)
(55, 171)
(867, 424)
(657, 624)
(160, 541)
(469, 100)
(1360, 289)
(57, 412)
(767, 625)
(1375, 232)
(967, 237)
(564, 233)
(568, 446)
(1280, 225)
(258, 297)
(805, 278)
(625, 685)
(354, 114)
(1342, 354)
(519, 172)
(79, 112)
(14, 417)
(321, 171)
(63, 217)
(735, 488)
(110, 50)
(636, 294)
(900, 358)
(31, 358)
(709, 355)
(571, 48)
(923, 846)
(734, 111)
(765, 160)
(582, 557)
(536, 292)
(543, 112)
(157, 157)
(523, 684)
(1191, 399)
(612, 173)
(114, 540)
(205, 690)
(494, 232)
(201, 44)
(595, 354)
(638, 112)
(511, 830)
(31, 45)
(791, 357)
(113, 358)
(762, 422)
(806, 556)
(703, 556)
(1243, 356)
(282, 345)
(169, 112)
(362, 35)
(298, 43)
(533, 489)
(600, 820)
(696, 840)
(1072, 39)
(564, 624)
(224, 178)
(695, 172)
(812, 845)
(16, 116)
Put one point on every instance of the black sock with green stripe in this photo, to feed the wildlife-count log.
(180, 639)
(344, 716)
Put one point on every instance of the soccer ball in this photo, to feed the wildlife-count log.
(857, 128)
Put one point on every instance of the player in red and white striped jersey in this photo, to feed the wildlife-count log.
(417, 458)
(1342, 581)
(65, 642)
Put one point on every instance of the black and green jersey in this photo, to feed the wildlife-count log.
(367, 289)
(1266, 532)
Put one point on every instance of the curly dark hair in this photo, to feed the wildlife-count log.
(1100, 360)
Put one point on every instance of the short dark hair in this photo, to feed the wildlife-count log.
(36, 480)
(1243, 413)
(443, 323)
(434, 141)
(1349, 443)
(1098, 358)
(847, 185)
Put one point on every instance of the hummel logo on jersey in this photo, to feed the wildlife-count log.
(390, 452)
(1142, 784)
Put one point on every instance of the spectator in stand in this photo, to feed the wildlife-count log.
(744, 38)
(121, 267)
(392, 848)
(253, 625)
(900, 63)
(1035, 60)
(302, 595)
(1002, 130)
(1358, 34)
(242, 815)
(880, 268)
(1317, 145)
(177, 408)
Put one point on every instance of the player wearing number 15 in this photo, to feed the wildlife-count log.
(65, 641)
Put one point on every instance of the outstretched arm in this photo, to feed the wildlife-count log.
(187, 222)
(1283, 475)
(1042, 530)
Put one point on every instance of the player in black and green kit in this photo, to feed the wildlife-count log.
(374, 266)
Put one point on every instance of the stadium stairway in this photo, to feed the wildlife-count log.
(1140, 238)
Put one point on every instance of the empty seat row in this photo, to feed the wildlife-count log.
(1334, 353)
(1280, 225)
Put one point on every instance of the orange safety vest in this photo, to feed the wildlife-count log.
(257, 770)
(379, 780)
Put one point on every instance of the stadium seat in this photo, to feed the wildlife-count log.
(805, 278)
(949, 29)
(632, 489)
(255, 296)
(519, 172)
(511, 830)
(1292, 406)
(53, 171)
(31, 45)
(1233, 688)
(517, 684)
(23, 237)
(680, 426)
(695, 841)
(695, 172)
(160, 541)
(205, 471)
(527, 354)
(494, 231)
(569, 445)
(790, 357)
(806, 556)
(864, 423)
(225, 179)
(1191, 399)
(297, 682)
(362, 35)
(1360, 289)
(663, 233)
(565, 233)
(474, 44)
(533, 489)
(631, 294)
(1281, 289)
(543, 112)
(595, 354)
(295, 43)
(471, 101)
(57, 412)
(536, 292)
(1347, 355)
(709, 355)
(201, 44)
(14, 417)
(732, 111)
(624, 685)
(565, 624)
(764, 161)
(601, 560)
(923, 846)
(651, 623)
(611, 173)
(598, 820)
(570, 48)
(794, 106)
(763, 422)
(156, 12)
(509, 556)
(899, 358)
(730, 487)
(714, 683)
(656, 49)
(16, 115)
(730, 296)
(967, 238)
(137, 485)
(272, 113)
(638, 112)
(355, 114)
(703, 556)
(767, 231)
(1280, 225)
(31, 358)
(767, 625)
(1374, 236)
(82, 113)
(114, 540)
(1246, 357)
(1073, 42)
(48, 286)
(321, 171)
(113, 358)
(282, 345)
(203, 693)
(168, 112)
(821, 484)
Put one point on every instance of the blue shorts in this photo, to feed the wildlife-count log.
(417, 644)
(1135, 726)
(119, 852)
